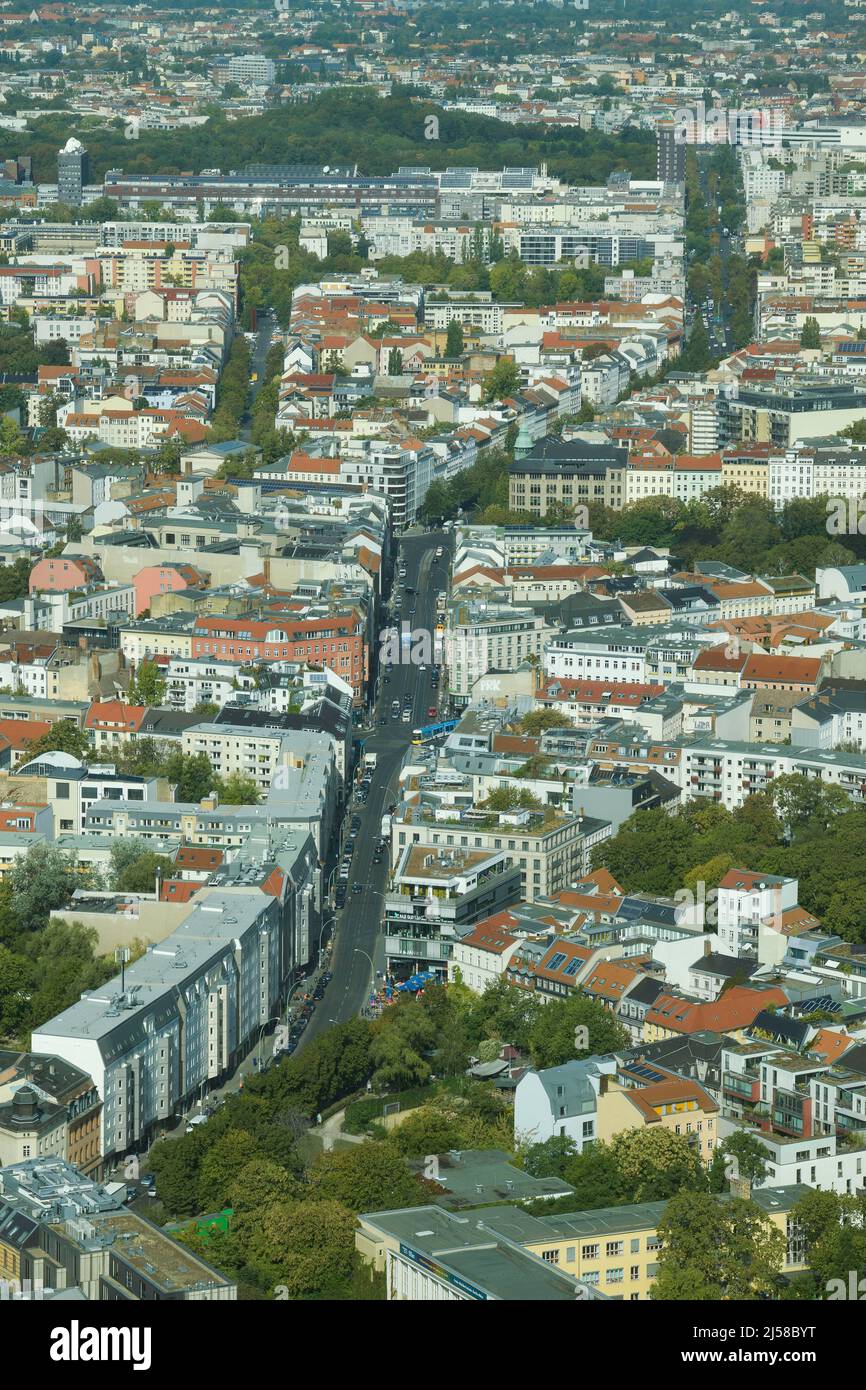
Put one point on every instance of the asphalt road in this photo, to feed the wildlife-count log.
(358, 925)
(258, 357)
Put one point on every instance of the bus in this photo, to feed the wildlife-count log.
(429, 731)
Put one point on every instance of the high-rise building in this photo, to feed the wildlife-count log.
(18, 170)
(670, 153)
(73, 172)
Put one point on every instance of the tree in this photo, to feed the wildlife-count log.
(806, 806)
(124, 853)
(715, 1250)
(810, 333)
(505, 1013)
(304, 1247)
(550, 1158)
(12, 441)
(239, 790)
(502, 381)
(366, 1177)
(696, 356)
(551, 1040)
(220, 1165)
(43, 879)
(141, 875)
(63, 737)
(538, 720)
(16, 986)
(148, 685)
(192, 775)
(176, 1164)
(742, 1153)
(454, 343)
(395, 362)
(655, 1163)
(65, 964)
(397, 1061)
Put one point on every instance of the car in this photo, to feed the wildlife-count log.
(387, 678)
(432, 712)
(357, 887)
(383, 721)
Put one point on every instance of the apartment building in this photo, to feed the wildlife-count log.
(728, 771)
(70, 787)
(555, 473)
(337, 641)
(183, 1016)
(435, 897)
(553, 850)
(677, 1104)
(615, 1250)
(483, 637)
(481, 958)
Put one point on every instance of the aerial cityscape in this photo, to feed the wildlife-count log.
(433, 659)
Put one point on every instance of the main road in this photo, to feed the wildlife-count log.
(358, 933)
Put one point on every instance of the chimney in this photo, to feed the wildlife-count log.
(708, 947)
(740, 1187)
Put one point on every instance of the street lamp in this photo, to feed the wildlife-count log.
(327, 922)
(359, 952)
(276, 1018)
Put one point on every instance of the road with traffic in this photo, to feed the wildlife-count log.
(358, 951)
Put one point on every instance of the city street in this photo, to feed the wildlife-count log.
(358, 934)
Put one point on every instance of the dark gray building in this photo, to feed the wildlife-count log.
(73, 172)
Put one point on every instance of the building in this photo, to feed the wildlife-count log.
(435, 897)
(670, 153)
(430, 1255)
(676, 1104)
(560, 1101)
(553, 850)
(482, 637)
(187, 1010)
(55, 1085)
(616, 1249)
(480, 958)
(556, 473)
(62, 1232)
(247, 68)
(73, 173)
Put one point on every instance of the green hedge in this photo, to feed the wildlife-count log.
(361, 1114)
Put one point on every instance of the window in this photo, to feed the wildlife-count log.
(614, 1247)
(551, 1256)
(614, 1276)
(589, 1252)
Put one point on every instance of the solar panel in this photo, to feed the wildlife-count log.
(647, 1073)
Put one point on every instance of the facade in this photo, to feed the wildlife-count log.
(73, 173)
(189, 1010)
(552, 850)
(429, 1255)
